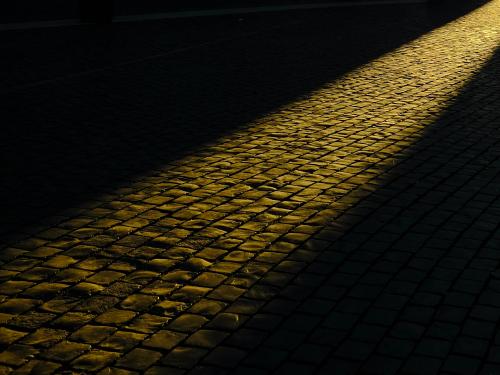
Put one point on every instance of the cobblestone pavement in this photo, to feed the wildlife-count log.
(351, 230)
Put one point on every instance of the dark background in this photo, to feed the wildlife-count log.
(35, 10)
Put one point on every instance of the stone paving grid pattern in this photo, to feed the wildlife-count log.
(268, 250)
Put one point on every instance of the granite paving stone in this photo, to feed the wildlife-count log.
(306, 192)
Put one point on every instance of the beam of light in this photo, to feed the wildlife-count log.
(210, 225)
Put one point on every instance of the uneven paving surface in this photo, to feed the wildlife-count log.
(353, 228)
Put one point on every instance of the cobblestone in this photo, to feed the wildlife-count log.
(319, 196)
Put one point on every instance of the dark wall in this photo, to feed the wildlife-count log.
(124, 7)
(36, 10)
